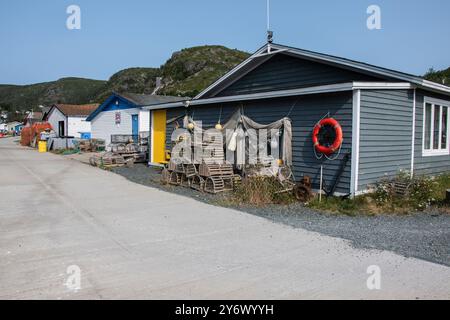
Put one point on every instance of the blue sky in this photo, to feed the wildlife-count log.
(36, 46)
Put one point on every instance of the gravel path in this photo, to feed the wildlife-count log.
(422, 235)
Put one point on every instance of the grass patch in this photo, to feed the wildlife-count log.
(421, 193)
(259, 191)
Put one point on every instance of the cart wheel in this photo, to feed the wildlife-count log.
(302, 193)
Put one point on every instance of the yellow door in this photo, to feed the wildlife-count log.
(158, 136)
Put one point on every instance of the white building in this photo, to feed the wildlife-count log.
(69, 120)
(12, 126)
(122, 114)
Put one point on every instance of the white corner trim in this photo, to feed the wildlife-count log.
(151, 137)
(356, 118)
(413, 135)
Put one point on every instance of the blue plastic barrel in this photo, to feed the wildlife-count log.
(85, 135)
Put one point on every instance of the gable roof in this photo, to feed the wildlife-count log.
(268, 50)
(138, 100)
(75, 110)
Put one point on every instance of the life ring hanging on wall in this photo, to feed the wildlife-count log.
(320, 143)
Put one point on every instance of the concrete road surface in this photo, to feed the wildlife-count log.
(59, 216)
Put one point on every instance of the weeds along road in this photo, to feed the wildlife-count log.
(132, 241)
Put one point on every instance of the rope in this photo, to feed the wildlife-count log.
(292, 107)
(220, 114)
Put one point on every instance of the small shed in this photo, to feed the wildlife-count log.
(123, 114)
(32, 118)
(14, 126)
(69, 120)
(391, 120)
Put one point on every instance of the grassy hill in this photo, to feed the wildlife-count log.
(186, 73)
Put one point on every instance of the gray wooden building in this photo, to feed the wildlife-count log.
(391, 120)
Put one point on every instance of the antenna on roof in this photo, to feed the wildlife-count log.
(269, 32)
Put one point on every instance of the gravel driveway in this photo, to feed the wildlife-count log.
(421, 235)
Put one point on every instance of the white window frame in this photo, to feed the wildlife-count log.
(436, 152)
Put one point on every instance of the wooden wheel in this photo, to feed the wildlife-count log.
(302, 193)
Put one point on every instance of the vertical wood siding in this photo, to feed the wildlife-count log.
(385, 134)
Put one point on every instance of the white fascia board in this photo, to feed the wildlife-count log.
(435, 86)
(277, 94)
(383, 85)
(231, 72)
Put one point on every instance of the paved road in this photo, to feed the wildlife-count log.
(131, 241)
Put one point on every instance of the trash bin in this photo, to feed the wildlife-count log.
(42, 146)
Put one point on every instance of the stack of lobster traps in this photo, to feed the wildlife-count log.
(109, 160)
(123, 150)
(130, 147)
(213, 174)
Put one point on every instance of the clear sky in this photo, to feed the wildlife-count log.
(36, 46)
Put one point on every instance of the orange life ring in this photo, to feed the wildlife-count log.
(327, 150)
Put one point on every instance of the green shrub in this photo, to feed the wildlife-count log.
(420, 192)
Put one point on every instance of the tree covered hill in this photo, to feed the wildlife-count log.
(186, 73)
(442, 76)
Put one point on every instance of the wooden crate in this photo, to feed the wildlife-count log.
(209, 170)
